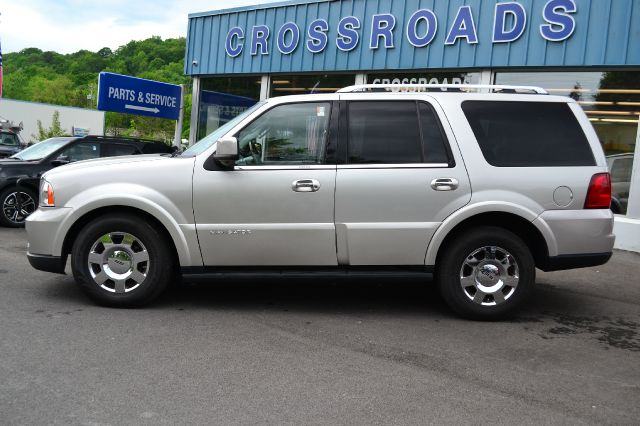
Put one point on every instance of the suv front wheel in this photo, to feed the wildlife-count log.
(486, 273)
(122, 261)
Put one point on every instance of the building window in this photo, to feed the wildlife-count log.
(309, 83)
(611, 100)
(400, 78)
(224, 98)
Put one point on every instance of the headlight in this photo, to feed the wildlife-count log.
(47, 198)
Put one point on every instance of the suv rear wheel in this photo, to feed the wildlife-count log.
(122, 261)
(486, 273)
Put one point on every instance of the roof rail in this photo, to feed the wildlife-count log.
(490, 88)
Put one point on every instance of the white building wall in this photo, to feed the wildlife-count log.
(30, 112)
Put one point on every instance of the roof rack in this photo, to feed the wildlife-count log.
(490, 88)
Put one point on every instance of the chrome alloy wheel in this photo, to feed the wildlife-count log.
(489, 276)
(17, 206)
(118, 262)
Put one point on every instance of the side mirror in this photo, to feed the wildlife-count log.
(226, 149)
(60, 161)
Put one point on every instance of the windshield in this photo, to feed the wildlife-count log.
(41, 149)
(9, 139)
(212, 138)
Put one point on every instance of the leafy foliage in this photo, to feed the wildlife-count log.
(51, 132)
(72, 80)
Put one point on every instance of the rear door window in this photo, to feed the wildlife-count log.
(118, 149)
(433, 138)
(384, 132)
(528, 134)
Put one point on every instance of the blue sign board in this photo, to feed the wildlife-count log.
(360, 35)
(131, 95)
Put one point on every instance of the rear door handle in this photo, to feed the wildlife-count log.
(306, 185)
(445, 184)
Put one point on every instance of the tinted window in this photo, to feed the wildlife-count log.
(82, 151)
(155, 148)
(115, 150)
(286, 134)
(9, 139)
(432, 136)
(384, 132)
(528, 134)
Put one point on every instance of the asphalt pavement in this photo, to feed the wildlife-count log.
(317, 351)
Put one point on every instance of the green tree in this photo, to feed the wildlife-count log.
(50, 77)
(53, 131)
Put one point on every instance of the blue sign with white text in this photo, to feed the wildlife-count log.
(131, 95)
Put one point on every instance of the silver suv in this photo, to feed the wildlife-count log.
(477, 185)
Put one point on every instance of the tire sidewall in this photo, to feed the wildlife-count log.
(160, 259)
(4, 221)
(448, 272)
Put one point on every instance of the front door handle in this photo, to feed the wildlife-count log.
(306, 185)
(445, 184)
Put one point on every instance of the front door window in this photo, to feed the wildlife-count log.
(291, 134)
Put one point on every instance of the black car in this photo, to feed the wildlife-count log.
(20, 174)
(10, 143)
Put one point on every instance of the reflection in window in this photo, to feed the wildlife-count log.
(82, 151)
(310, 83)
(224, 98)
(286, 134)
(400, 78)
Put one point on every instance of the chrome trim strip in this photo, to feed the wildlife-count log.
(395, 166)
(286, 167)
(346, 167)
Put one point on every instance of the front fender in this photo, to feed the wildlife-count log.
(177, 219)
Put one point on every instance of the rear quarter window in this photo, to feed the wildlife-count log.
(528, 134)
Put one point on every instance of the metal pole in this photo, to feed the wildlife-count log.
(633, 203)
(177, 139)
(195, 111)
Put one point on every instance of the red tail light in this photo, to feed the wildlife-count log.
(599, 194)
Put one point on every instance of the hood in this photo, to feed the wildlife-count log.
(106, 162)
(8, 162)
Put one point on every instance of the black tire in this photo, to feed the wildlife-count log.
(158, 269)
(492, 272)
(26, 199)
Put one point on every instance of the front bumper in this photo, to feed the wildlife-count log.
(46, 230)
(55, 264)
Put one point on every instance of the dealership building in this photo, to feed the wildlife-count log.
(585, 49)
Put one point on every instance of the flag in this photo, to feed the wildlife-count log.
(0, 70)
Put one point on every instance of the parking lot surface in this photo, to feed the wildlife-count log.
(317, 351)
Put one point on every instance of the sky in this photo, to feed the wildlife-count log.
(67, 26)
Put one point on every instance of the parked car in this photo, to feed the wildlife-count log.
(20, 174)
(620, 166)
(10, 143)
(476, 188)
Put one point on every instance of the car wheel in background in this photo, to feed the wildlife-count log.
(486, 273)
(17, 204)
(122, 261)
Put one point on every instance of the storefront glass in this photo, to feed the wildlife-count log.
(400, 78)
(612, 102)
(224, 98)
(309, 83)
